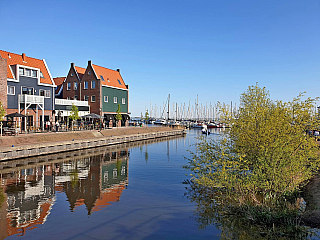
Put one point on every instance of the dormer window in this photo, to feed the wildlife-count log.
(28, 72)
(119, 82)
(41, 75)
(34, 73)
(21, 71)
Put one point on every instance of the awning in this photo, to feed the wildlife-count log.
(125, 117)
(109, 117)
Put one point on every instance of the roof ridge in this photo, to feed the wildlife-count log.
(105, 67)
(21, 55)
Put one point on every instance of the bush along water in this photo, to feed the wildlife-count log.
(256, 169)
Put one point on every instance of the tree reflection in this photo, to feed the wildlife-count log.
(218, 207)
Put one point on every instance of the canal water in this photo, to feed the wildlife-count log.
(130, 191)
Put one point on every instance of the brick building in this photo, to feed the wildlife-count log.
(103, 88)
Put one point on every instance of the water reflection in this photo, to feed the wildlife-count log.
(93, 178)
(215, 207)
(93, 181)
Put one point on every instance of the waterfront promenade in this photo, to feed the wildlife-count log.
(28, 145)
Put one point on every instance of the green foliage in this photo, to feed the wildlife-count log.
(146, 116)
(215, 206)
(266, 155)
(118, 116)
(2, 111)
(74, 115)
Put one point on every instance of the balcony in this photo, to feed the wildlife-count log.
(31, 99)
(70, 102)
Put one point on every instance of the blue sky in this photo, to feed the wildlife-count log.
(213, 49)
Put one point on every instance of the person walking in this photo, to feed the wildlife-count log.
(57, 126)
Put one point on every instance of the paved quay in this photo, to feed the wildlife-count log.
(28, 145)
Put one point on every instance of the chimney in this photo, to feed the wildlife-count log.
(23, 57)
(118, 70)
(89, 63)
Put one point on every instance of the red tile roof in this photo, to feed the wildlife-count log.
(58, 81)
(80, 71)
(22, 59)
(109, 77)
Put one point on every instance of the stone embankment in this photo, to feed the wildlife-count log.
(28, 145)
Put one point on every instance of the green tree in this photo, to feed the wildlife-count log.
(146, 117)
(2, 114)
(266, 155)
(74, 114)
(118, 116)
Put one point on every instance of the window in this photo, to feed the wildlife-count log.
(47, 94)
(102, 78)
(89, 73)
(85, 85)
(28, 72)
(21, 71)
(75, 85)
(71, 74)
(75, 97)
(105, 98)
(93, 84)
(11, 90)
(119, 82)
(41, 75)
(115, 99)
(86, 97)
(93, 98)
(34, 73)
(68, 98)
(27, 90)
(123, 101)
(68, 86)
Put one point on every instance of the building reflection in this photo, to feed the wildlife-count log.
(91, 178)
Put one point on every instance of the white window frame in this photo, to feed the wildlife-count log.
(27, 90)
(86, 98)
(75, 85)
(115, 100)
(68, 86)
(75, 97)
(34, 75)
(11, 87)
(41, 91)
(21, 71)
(85, 85)
(106, 98)
(27, 72)
(93, 96)
(123, 100)
(47, 94)
(93, 83)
